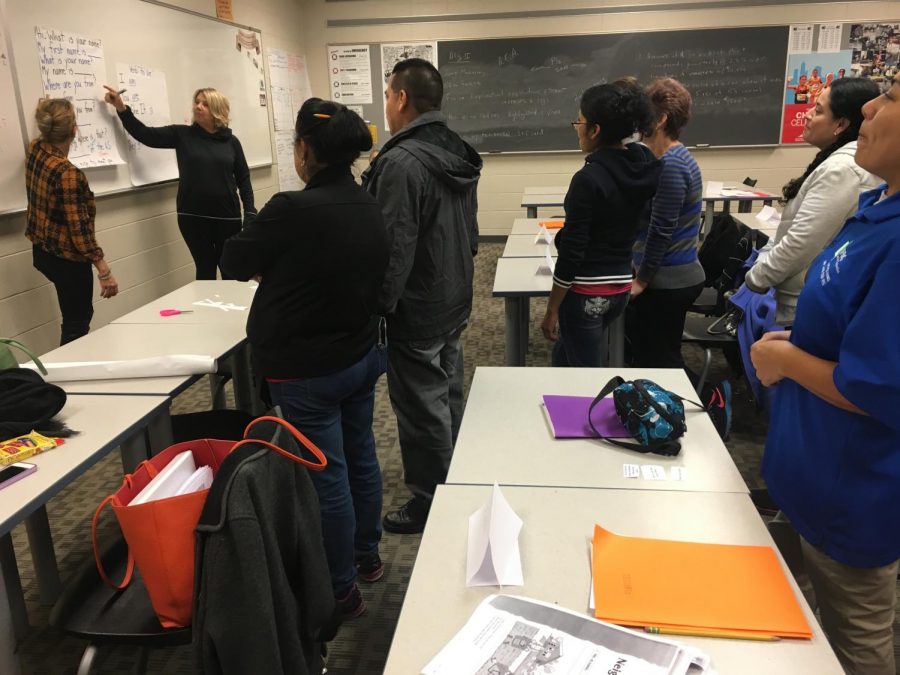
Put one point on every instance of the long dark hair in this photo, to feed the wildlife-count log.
(848, 96)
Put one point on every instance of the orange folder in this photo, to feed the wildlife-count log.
(552, 224)
(679, 585)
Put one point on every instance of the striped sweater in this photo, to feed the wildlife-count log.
(665, 253)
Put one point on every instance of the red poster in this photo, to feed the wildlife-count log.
(794, 121)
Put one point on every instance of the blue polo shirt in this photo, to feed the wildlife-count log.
(836, 474)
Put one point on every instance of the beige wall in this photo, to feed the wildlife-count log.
(505, 176)
(137, 230)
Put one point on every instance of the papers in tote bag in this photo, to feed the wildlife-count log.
(493, 556)
(180, 477)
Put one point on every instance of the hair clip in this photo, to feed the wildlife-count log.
(322, 116)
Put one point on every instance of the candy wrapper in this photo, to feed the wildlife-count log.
(20, 448)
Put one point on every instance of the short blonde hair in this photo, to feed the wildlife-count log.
(218, 105)
(55, 119)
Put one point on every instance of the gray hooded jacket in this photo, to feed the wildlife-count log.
(426, 180)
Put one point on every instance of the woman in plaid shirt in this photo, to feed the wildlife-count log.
(61, 220)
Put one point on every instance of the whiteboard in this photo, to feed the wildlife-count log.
(12, 165)
(191, 50)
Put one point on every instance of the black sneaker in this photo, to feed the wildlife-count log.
(351, 605)
(408, 519)
(369, 568)
(718, 404)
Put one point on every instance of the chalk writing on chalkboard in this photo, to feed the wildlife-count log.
(521, 93)
(72, 67)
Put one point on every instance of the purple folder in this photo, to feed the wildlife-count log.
(569, 417)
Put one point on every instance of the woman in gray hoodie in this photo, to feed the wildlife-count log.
(820, 201)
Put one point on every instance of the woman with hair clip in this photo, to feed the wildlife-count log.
(820, 201)
(592, 277)
(60, 219)
(212, 170)
(321, 254)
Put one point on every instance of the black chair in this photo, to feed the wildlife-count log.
(91, 610)
(696, 332)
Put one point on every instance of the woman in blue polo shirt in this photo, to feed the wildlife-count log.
(832, 459)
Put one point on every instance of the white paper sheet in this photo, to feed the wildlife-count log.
(157, 366)
(769, 215)
(148, 95)
(493, 557)
(73, 67)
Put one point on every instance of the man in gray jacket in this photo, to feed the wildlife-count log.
(426, 179)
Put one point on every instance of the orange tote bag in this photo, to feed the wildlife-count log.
(160, 533)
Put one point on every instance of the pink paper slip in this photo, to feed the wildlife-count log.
(569, 417)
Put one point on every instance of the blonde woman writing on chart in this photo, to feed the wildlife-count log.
(212, 170)
(61, 220)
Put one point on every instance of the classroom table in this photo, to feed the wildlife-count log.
(505, 436)
(517, 280)
(528, 226)
(134, 341)
(554, 547)
(225, 303)
(709, 202)
(104, 422)
(751, 221)
(525, 246)
(232, 300)
(534, 198)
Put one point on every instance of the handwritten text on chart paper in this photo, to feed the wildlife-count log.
(73, 67)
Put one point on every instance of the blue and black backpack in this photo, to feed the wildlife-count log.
(652, 415)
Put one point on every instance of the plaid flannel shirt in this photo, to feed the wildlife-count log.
(61, 205)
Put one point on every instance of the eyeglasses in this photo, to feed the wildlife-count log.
(575, 124)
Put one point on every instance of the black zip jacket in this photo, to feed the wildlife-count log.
(322, 254)
(426, 180)
(211, 167)
(262, 591)
(603, 208)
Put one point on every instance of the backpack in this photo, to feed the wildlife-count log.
(652, 415)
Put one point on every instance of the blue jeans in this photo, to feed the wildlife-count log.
(583, 320)
(335, 412)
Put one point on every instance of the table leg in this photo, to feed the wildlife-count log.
(517, 310)
(13, 614)
(617, 342)
(9, 630)
(40, 539)
(531, 211)
(134, 450)
(217, 392)
(159, 430)
(242, 380)
(708, 218)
